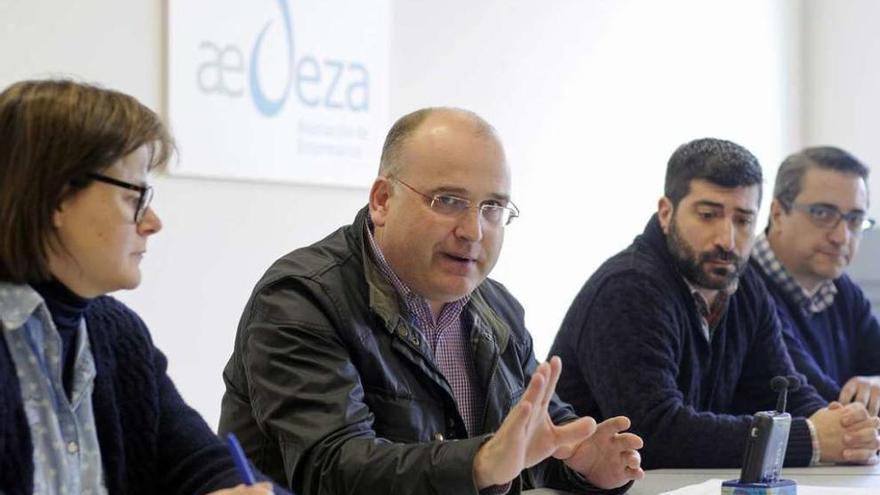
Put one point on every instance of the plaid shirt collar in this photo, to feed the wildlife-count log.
(416, 306)
(710, 314)
(814, 301)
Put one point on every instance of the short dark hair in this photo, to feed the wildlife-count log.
(404, 127)
(791, 172)
(720, 162)
(52, 134)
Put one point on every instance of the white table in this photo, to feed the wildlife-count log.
(662, 480)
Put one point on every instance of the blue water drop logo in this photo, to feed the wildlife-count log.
(266, 105)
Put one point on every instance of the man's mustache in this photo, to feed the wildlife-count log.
(719, 254)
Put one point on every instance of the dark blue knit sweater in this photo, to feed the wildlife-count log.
(831, 346)
(151, 441)
(631, 344)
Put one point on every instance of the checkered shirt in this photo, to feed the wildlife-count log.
(449, 340)
(815, 302)
(710, 314)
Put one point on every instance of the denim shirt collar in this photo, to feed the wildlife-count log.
(17, 303)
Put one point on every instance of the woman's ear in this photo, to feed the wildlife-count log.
(59, 214)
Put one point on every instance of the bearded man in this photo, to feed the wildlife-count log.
(678, 333)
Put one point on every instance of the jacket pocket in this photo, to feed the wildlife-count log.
(404, 419)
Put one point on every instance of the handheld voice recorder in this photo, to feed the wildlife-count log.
(768, 437)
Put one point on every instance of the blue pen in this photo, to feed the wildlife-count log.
(241, 462)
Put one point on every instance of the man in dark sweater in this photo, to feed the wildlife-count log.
(679, 334)
(817, 217)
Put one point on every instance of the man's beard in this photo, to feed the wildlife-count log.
(691, 265)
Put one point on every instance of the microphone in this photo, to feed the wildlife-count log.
(783, 384)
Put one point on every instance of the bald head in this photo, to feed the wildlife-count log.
(436, 160)
(391, 163)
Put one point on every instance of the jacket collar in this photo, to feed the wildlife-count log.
(654, 237)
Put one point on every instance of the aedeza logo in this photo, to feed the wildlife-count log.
(264, 104)
(319, 81)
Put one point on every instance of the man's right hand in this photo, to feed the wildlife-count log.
(847, 433)
(528, 436)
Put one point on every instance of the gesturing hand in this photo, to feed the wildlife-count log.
(608, 458)
(528, 436)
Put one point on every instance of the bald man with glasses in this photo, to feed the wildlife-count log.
(383, 360)
(817, 218)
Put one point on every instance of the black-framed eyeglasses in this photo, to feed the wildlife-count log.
(146, 193)
(827, 216)
(494, 214)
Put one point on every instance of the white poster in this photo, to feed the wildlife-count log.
(279, 90)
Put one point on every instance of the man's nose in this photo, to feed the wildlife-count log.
(840, 234)
(725, 236)
(470, 225)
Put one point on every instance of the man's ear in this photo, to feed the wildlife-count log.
(665, 210)
(776, 213)
(380, 197)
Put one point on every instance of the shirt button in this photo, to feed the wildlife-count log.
(438, 437)
(72, 447)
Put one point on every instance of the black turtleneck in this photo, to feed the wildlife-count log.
(67, 310)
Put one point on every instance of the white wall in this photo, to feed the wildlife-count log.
(590, 98)
(841, 81)
(842, 103)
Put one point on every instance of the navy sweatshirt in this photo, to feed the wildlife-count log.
(831, 346)
(631, 344)
(151, 441)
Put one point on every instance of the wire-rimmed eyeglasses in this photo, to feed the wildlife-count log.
(492, 211)
(827, 216)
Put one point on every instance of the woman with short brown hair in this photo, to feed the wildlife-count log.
(86, 405)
